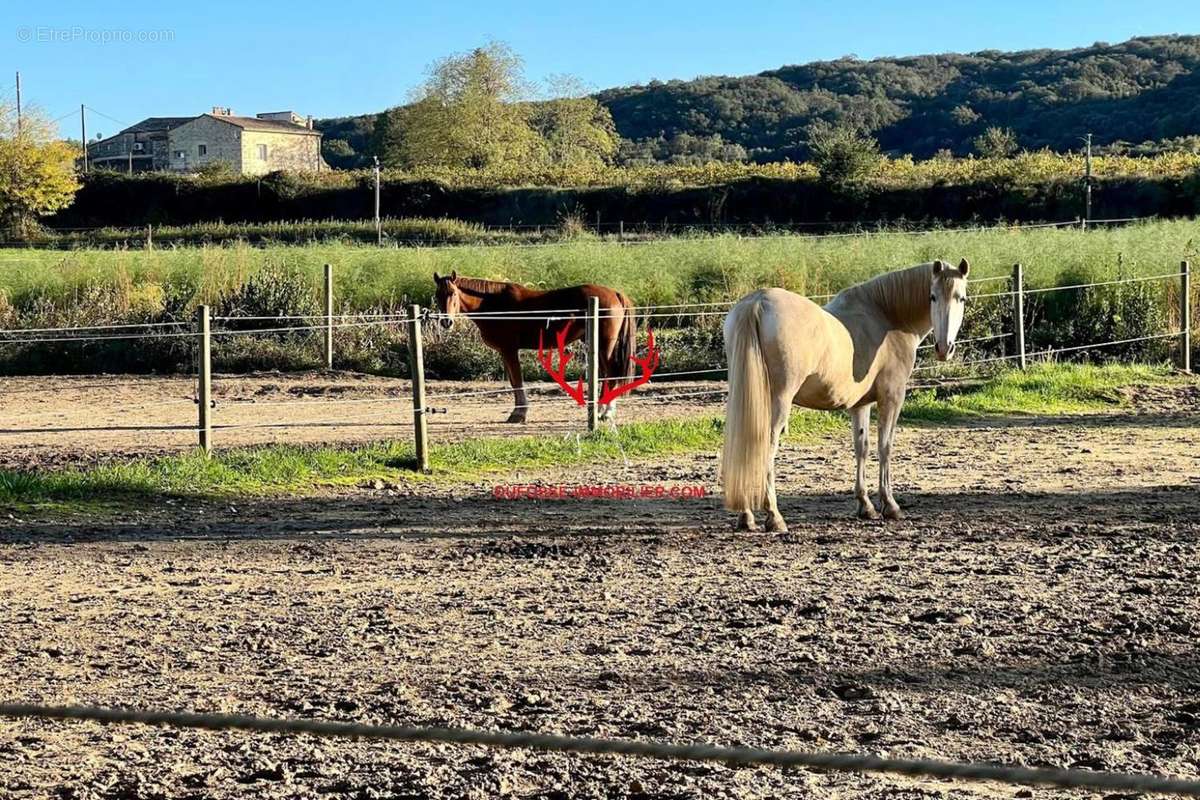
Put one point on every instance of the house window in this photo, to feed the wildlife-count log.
(262, 152)
(202, 149)
(179, 154)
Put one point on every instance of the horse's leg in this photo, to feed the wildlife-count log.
(781, 409)
(889, 412)
(608, 412)
(512, 366)
(608, 369)
(860, 421)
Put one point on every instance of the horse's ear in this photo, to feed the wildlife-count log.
(964, 267)
(453, 275)
(938, 266)
(437, 278)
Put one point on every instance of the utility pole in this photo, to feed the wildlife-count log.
(83, 135)
(18, 102)
(378, 221)
(1087, 210)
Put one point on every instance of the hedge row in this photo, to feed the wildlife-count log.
(108, 199)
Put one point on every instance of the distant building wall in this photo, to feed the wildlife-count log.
(283, 151)
(203, 141)
(148, 150)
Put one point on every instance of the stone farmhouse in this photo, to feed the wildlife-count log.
(272, 142)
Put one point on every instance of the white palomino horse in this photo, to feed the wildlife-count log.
(857, 350)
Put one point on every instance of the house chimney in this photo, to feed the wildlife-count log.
(222, 111)
(309, 122)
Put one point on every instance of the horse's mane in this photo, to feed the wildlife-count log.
(481, 287)
(903, 295)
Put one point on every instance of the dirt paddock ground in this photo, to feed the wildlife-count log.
(1038, 605)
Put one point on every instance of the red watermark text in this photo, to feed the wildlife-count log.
(599, 491)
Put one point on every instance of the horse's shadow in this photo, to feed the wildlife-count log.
(482, 515)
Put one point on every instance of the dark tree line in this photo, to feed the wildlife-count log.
(1139, 96)
(1143, 90)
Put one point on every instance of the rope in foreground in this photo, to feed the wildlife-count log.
(741, 756)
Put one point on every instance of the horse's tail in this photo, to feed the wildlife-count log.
(747, 448)
(623, 353)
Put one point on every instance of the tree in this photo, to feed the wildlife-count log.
(575, 129)
(842, 155)
(37, 170)
(466, 114)
(964, 115)
(338, 153)
(996, 143)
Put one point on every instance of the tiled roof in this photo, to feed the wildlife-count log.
(245, 123)
(157, 124)
(256, 124)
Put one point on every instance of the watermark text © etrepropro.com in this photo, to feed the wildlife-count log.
(73, 34)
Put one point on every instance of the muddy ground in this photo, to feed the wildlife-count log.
(1038, 605)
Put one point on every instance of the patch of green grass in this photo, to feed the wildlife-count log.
(282, 469)
(1040, 389)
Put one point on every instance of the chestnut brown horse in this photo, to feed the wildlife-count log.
(512, 317)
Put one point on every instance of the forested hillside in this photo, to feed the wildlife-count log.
(1143, 90)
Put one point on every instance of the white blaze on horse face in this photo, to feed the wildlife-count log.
(947, 302)
(449, 302)
(453, 307)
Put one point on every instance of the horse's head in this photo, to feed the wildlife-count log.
(449, 298)
(947, 300)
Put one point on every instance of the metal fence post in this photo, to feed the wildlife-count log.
(1018, 288)
(592, 340)
(1185, 315)
(416, 363)
(328, 316)
(204, 377)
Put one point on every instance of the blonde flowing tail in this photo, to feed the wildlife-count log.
(747, 449)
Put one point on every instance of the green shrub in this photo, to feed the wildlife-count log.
(276, 291)
(1086, 316)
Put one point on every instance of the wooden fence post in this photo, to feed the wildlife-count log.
(1185, 315)
(150, 237)
(1018, 288)
(592, 340)
(204, 376)
(416, 363)
(328, 316)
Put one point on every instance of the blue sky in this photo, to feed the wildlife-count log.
(352, 56)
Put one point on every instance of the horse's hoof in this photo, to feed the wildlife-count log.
(776, 525)
(517, 419)
(893, 512)
(745, 523)
(867, 512)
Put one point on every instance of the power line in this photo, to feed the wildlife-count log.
(107, 117)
